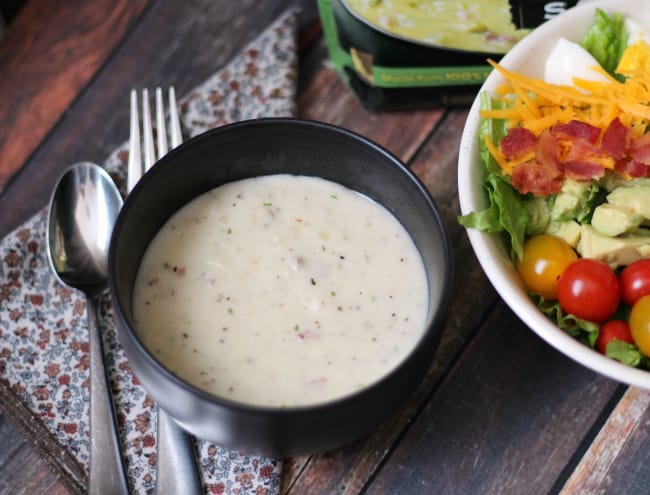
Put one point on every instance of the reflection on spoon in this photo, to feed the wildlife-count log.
(83, 209)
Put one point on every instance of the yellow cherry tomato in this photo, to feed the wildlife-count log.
(640, 324)
(545, 258)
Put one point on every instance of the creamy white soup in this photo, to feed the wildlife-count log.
(281, 291)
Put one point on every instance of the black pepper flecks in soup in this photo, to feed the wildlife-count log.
(281, 290)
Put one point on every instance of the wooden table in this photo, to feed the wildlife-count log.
(499, 410)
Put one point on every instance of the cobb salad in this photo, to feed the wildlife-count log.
(567, 166)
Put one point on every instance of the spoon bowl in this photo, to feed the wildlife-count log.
(83, 209)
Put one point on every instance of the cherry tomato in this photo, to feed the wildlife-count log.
(545, 258)
(640, 324)
(588, 289)
(613, 330)
(634, 281)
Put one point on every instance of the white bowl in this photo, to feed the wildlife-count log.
(527, 57)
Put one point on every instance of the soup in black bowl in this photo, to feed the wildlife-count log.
(246, 194)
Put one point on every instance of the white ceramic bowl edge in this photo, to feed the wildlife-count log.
(528, 57)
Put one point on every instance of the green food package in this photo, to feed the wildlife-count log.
(402, 54)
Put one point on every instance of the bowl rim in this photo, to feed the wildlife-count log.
(489, 251)
(434, 323)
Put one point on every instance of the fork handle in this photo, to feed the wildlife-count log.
(177, 470)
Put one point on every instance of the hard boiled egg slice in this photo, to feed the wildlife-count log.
(568, 60)
(635, 32)
(635, 59)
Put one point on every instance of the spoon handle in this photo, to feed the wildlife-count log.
(177, 470)
(107, 471)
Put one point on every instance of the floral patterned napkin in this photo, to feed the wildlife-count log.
(44, 360)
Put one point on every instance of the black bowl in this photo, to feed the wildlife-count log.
(255, 148)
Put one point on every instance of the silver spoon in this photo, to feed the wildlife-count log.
(83, 209)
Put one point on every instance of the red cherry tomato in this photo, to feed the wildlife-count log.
(613, 330)
(640, 324)
(634, 281)
(588, 289)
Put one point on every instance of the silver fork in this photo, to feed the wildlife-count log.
(177, 470)
(136, 165)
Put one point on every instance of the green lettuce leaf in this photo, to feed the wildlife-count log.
(583, 330)
(582, 209)
(538, 215)
(625, 353)
(595, 196)
(495, 129)
(606, 40)
(507, 211)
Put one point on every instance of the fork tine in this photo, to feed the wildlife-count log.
(161, 127)
(147, 130)
(135, 160)
(136, 168)
(174, 121)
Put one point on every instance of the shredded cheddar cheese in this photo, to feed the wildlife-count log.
(498, 156)
(635, 60)
(537, 105)
(522, 159)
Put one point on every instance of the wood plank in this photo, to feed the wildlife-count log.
(512, 432)
(62, 463)
(327, 99)
(47, 56)
(23, 472)
(616, 462)
(98, 121)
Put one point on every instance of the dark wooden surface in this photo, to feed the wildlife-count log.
(499, 410)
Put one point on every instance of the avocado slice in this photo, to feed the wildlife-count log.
(634, 198)
(612, 220)
(615, 251)
(573, 201)
(568, 230)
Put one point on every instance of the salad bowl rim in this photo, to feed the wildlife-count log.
(490, 249)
